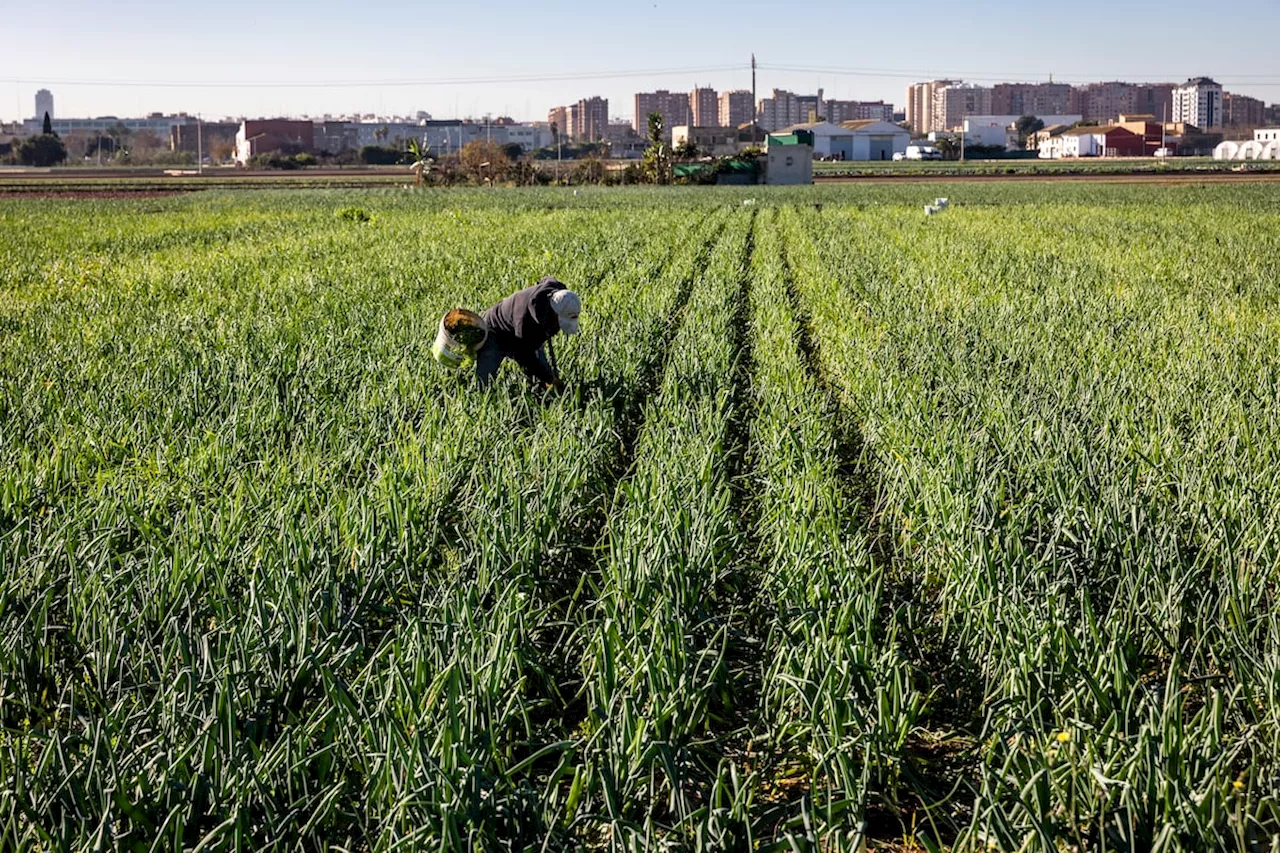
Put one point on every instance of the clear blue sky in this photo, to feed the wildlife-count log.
(60, 45)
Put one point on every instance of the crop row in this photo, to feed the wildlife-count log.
(839, 703)
(657, 633)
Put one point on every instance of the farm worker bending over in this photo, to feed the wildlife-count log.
(520, 326)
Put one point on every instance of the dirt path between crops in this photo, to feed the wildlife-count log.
(104, 193)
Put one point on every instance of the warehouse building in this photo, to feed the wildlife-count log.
(855, 140)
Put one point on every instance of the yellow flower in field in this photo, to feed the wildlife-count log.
(1063, 737)
(1238, 785)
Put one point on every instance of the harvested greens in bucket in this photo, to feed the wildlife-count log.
(465, 327)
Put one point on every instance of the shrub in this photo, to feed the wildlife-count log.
(43, 150)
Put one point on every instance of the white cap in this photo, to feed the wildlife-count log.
(567, 306)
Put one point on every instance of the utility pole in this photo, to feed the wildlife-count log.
(753, 98)
(199, 146)
(1164, 116)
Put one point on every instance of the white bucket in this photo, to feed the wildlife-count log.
(448, 351)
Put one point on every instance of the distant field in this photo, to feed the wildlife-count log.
(82, 179)
(1117, 165)
(853, 526)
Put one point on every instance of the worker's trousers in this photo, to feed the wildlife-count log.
(491, 356)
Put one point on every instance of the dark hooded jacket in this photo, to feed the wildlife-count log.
(523, 322)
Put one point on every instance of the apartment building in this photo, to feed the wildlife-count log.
(952, 104)
(1032, 99)
(779, 111)
(838, 111)
(1198, 102)
(44, 104)
(812, 107)
(1242, 111)
(704, 107)
(920, 98)
(736, 108)
(589, 119)
(558, 120)
(673, 107)
(1106, 100)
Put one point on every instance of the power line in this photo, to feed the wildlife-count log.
(997, 77)
(985, 76)
(334, 84)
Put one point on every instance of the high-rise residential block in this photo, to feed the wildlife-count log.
(558, 119)
(838, 111)
(1242, 111)
(920, 105)
(736, 108)
(1198, 102)
(951, 104)
(1031, 99)
(812, 107)
(913, 106)
(704, 108)
(589, 119)
(779, 111)
(44, 104)
(1154, 99)
(1108, 100)
(672, 106)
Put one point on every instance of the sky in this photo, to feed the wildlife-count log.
(133, 57)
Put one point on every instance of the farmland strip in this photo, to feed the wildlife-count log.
(1052, 521)
(288, 572)
(657, 656)
(496, 634)
(839, 703)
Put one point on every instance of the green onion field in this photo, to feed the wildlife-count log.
(854, 528)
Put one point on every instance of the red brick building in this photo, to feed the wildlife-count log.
(262, 136)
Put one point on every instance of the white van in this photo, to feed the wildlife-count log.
(923, 152)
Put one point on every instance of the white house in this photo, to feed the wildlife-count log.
(1051, 147)
(1080, 142)
(1074, 142)
(998, 130)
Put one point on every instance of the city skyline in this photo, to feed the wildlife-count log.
(156, 65)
